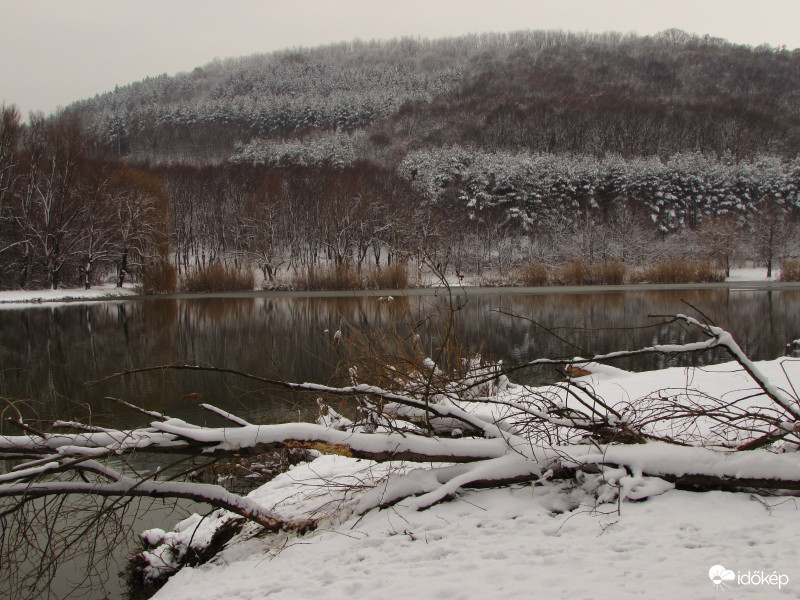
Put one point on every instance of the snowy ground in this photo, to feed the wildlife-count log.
(753, 274)
(516, 543)
(62, 295)
(548, 541)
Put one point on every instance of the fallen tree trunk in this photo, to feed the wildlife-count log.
(520, 459)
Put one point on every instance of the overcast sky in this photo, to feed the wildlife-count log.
(53, 52)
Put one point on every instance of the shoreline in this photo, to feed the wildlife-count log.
(516, 534)
(105, 293)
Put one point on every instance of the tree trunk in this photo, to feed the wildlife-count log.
(123, 268)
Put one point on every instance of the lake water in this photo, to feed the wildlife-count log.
(49, 353)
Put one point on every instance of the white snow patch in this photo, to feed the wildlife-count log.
(12, 298)
(517, 542)
(753, 274)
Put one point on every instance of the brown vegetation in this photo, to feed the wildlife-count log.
(535, 274)
(575, 272)
(790, 270)
(391, 277)
(348, 277)
(609, 272)
(218, 278)
(678, 270)
(158, 277)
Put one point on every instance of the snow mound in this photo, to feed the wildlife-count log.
(548, 541)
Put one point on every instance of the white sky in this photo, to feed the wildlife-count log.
(53, 52)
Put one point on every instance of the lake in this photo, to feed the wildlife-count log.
(49, 353)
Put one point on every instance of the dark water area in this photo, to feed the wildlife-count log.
(48, 354)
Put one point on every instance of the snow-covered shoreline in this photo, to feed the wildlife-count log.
(519, 542)
(754, 277)
(552, 540)
(99, 292)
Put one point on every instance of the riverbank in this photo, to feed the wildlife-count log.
(739, 279)
(99, 292)
(513, 543)
(553, 539)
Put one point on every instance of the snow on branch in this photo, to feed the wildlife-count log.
(114, 484)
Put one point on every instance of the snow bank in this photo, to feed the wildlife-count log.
(21, 297)
(520, 542)
(556, 539)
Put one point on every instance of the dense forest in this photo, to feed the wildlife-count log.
(479, 156)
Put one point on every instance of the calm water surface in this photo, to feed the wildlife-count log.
(49, 353)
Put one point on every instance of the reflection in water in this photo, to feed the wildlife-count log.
(49, 353)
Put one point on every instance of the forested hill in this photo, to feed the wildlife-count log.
(204, 114)
(536, 92)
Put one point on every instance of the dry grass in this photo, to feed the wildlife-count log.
(218, 278)
(790, 270)
(609, 272)
(338, 277)
(616, 272)
(574, 272)
(580, 272)
(676, 270)
(158, 277)
(348, 277)
(391, 277)
(535, 274)
(708, 271)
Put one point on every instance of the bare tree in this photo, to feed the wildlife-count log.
(262, 221)
(9, 138)
(772, 231)
(10, 131)
(51, 210)
(137, 206)
(722, 239)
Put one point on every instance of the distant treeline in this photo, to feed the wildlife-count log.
(476, 213)
(68, 217)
